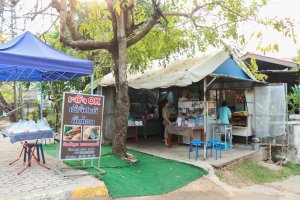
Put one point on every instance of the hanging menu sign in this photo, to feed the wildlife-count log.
(81, 127)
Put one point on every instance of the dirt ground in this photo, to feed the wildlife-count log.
(209, 188)
(231, 180)
(3, 123)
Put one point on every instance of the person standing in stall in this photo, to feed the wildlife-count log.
(165, 115)
(224, 113)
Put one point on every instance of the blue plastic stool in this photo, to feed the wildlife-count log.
(38, 147)
(196, 143)
(215, 144)
(218, 147)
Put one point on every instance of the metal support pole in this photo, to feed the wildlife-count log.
(15, 101)
(100, 137)
(287, 129)
(92, 84)
(21, 102)
(41, 106)
(100, 151)
(41, 99)
(92, 92)
(211, 82)
(205, 115)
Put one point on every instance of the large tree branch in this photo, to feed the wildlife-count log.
(87, 44)
(148, 27)
(63, 20)
(151, 23)
(70, 21)
(66, 22)
(110, 8)
(129, 21)
(129, 18)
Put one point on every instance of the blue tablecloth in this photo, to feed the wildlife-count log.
(39, 135)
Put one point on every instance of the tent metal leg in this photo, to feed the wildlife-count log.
(205, 116)
(41, 99)
(92, 84)
(41, 106)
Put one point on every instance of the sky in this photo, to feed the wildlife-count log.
(274, 8)
(279, 8)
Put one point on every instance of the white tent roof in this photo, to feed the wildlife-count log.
(180, 73)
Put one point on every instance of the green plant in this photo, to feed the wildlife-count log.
(293, 169)
(46, 112)
(247, 173)
(294, 99)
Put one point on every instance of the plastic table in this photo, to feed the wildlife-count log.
(23, 138)
(173, 129)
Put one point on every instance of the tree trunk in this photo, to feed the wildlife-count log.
(122, 100)
(3, 103)
(56, 105)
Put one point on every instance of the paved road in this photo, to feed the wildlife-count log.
(40, 183)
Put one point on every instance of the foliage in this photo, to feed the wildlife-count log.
(254, 70)
(294, 99)
(34, 115)
(293, 169)
(216, 26)
(7, 91)
(297, 58)
(248, 173)
(101, 58)
(135, 33)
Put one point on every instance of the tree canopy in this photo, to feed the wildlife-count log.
(134, 32)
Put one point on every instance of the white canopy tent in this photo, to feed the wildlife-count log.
(182, 72)
(186, 71)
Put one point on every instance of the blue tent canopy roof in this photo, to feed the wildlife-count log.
(26, 58)
(231, 69)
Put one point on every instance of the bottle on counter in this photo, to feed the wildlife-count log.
(178, 121)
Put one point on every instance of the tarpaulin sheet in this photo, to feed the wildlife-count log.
(184, 72)
(270, 111)
(231, 69)
(37, 135)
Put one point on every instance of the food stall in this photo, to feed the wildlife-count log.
(207, 73)
(27, 59)
(191, 114)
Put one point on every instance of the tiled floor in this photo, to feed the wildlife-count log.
(35, 182)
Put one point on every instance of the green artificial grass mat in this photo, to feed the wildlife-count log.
(151, 175)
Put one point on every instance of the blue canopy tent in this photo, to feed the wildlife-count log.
(231, 69)
(230, 75)
(26, 58)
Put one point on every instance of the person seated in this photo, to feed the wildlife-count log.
(152, 112)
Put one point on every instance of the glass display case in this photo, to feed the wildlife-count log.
(242, 126)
